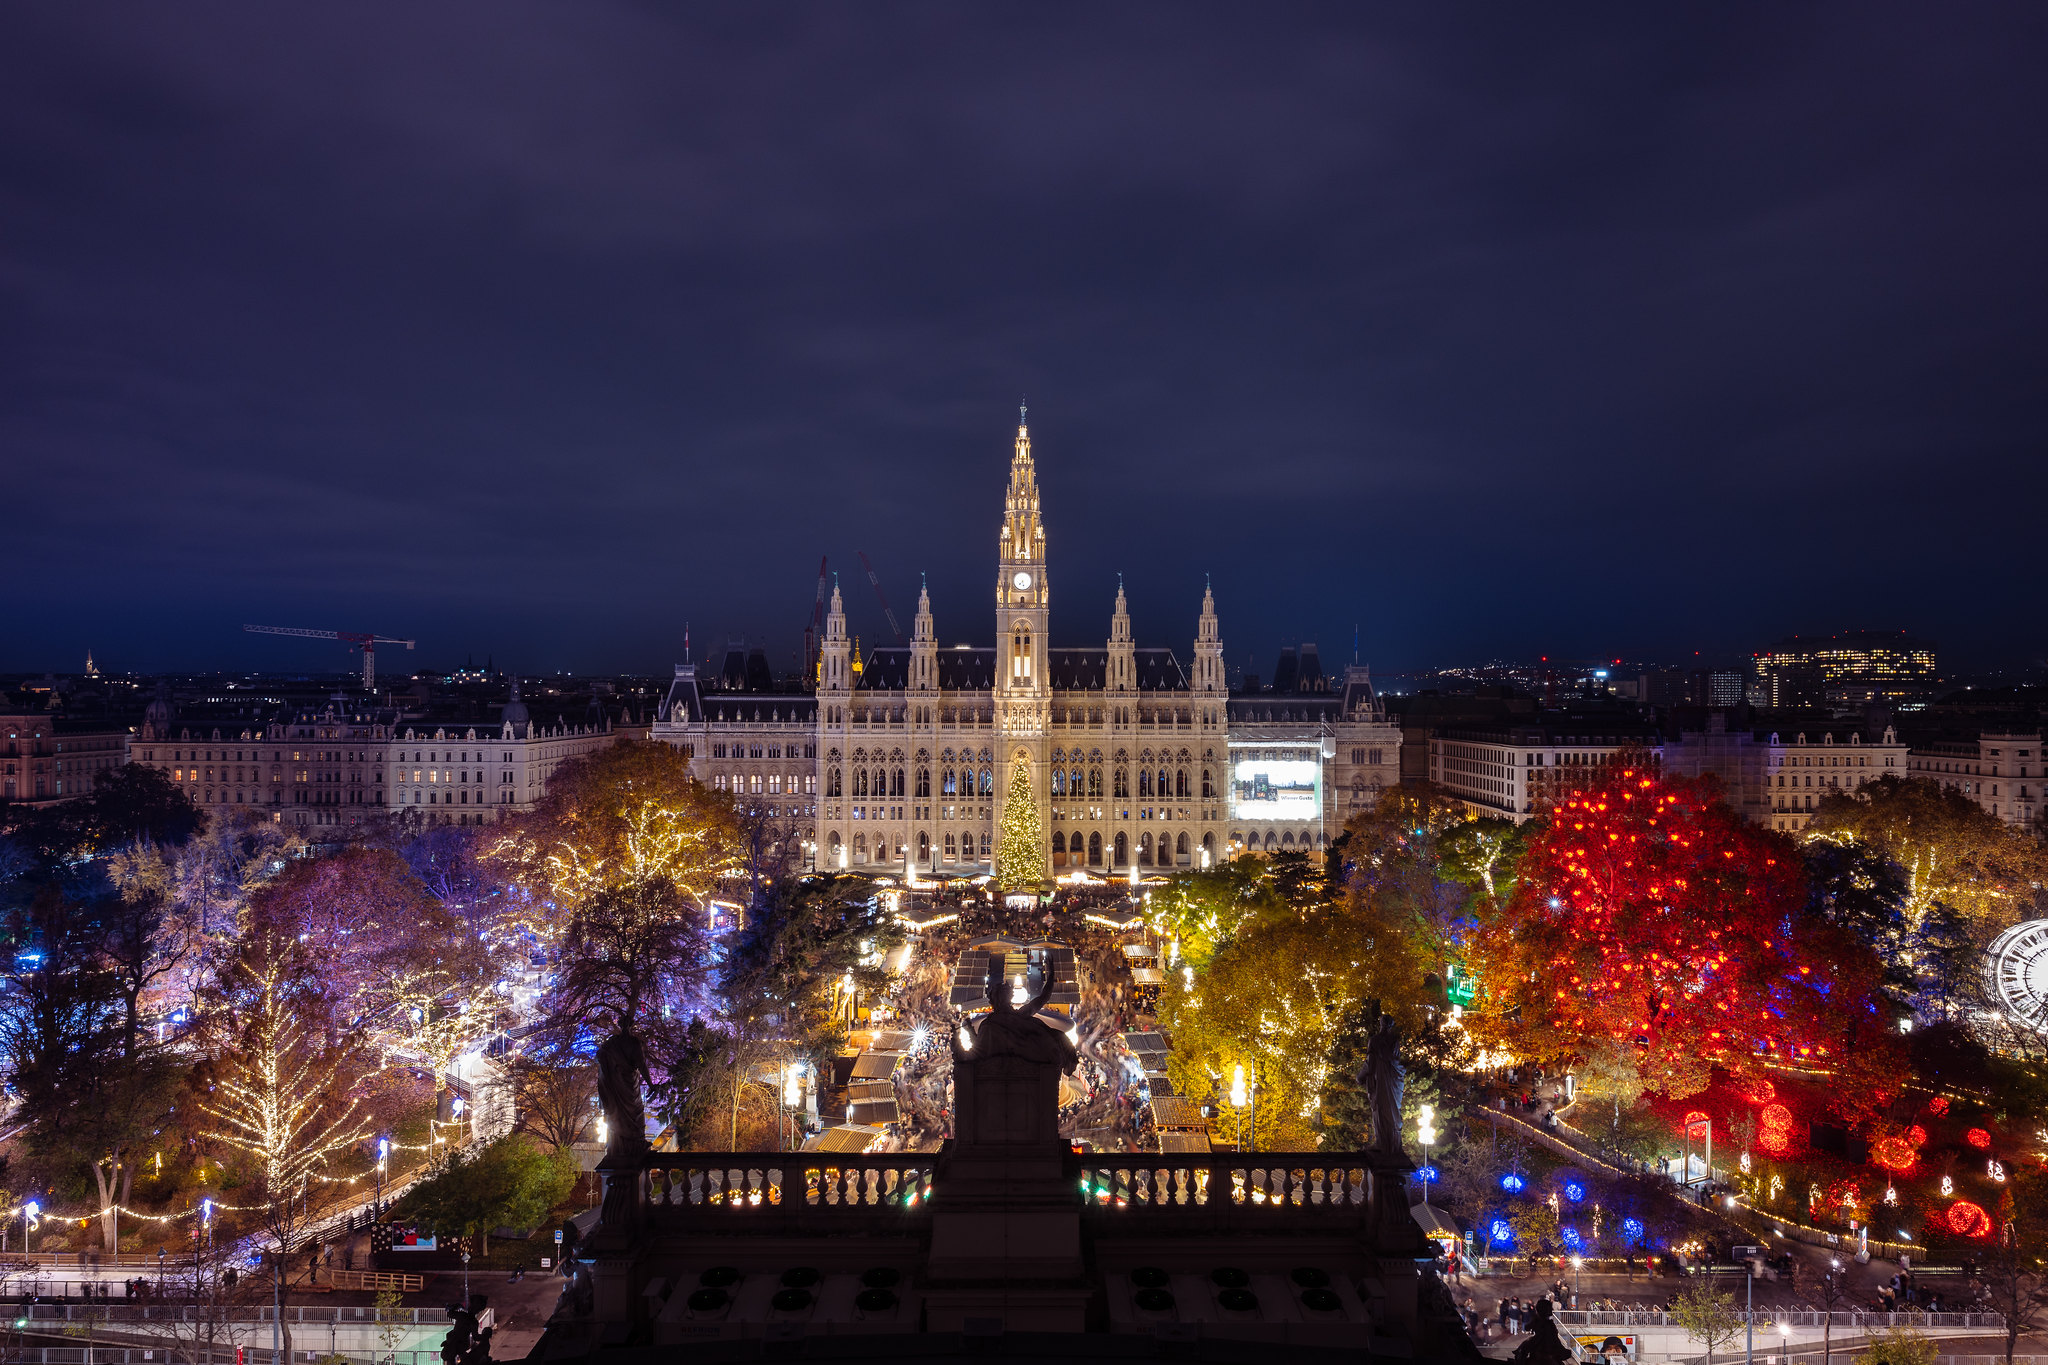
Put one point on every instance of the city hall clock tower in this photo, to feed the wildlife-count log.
(1023, 690)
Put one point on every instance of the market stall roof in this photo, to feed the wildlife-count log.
(1140, 950)
(1147, 976)
(1434, 1221)
(1184, 1142)
(874, 1112)
(1142, 1043)
(876, 1066)
(1171, 1111)
(970, 973)
(1159, 1084)
(892, 1040)
(868, 1092)
(844, 1138)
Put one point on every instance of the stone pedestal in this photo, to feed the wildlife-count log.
(1006, 1207)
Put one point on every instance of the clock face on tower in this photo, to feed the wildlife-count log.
(1021, 581)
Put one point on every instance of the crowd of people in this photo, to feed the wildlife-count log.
(1106, 1103)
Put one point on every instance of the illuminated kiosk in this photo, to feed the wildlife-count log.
(1006, 1233)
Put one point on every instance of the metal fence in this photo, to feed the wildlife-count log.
(116, 1311)
(11, 1354)
(1854, 1320)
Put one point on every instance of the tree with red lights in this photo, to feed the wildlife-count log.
(1650, 915)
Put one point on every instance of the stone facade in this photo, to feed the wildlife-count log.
(50, 759)
(1133, 759)
(2002, 771)
(340, 767)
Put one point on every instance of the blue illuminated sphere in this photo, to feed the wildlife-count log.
(1512, 1183)
(1633, 1227)
(1502, 1230)
(1575, 1191)
(1571, 1237)
(1425, 1174)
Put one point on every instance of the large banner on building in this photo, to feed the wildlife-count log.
(1265, 787)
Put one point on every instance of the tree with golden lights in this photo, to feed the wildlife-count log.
(1020, 856)
(627, 815)
(283, 1099)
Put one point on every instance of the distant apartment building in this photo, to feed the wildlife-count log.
(1775, 780)
(50, 759)
(2001, 771)
(1847, 670)
(1520, 770)
(1720, 687)
(339, 766)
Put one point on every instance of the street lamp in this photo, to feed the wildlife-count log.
(793, 1095)
(1238, 1100)
(383, 1154)
(1577, 1261)
(1425, 1133)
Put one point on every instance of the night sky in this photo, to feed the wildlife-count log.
(539, 330)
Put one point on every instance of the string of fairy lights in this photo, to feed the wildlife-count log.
(33, 1212)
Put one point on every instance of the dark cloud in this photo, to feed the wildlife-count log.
(543, 329)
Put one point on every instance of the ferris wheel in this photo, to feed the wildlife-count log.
(2016, 973)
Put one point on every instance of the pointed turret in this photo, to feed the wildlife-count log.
(835, 675)
(924, 645)
(1121, 674)
(1208, 646)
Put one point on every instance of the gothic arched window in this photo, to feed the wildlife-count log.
(1208, 786)
(924, 781)
(1095, 782)
(1180, 784)
(1095, 850)
(860, 781)
(1059, 782)
(1123, 785)
(896, 783)
(1144, 783)
(988, 782)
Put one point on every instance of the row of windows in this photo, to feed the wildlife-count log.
(761, 749)
(757, 783)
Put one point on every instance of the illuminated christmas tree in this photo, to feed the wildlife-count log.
(1020, 862)
(1650, 916)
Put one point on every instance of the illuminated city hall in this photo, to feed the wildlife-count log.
(1127, 756)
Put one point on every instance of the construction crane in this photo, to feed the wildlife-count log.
(814, 629)
(872, 578)
(354, 639)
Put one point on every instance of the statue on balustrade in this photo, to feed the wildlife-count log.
(1384, 1078)
(621, 1067)
(1013, 1030)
